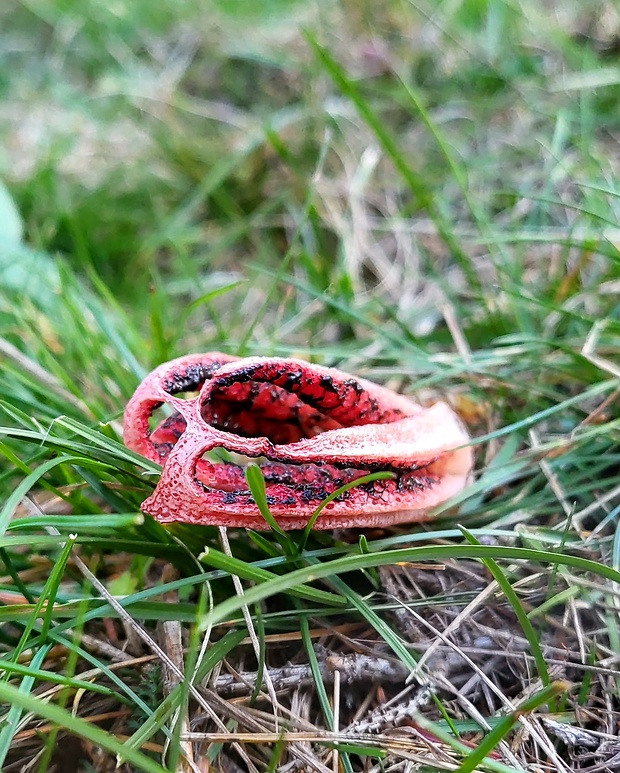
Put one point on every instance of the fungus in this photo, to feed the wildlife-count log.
(312, 429)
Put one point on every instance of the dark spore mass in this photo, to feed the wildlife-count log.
(414, 482)
(293, 379)
(351, 383)
(288, 500)
(192, 378)
(311, 492)
(231, 497)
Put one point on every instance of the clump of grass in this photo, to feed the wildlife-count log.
(419, 194)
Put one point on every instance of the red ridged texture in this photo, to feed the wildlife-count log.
(311, 429)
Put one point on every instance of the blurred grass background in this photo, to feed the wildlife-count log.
(186, 141)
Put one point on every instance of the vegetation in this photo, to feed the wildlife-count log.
(420, 193)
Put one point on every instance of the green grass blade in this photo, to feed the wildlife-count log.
(28, 482)
(522, 616)
(15, 712)
(256, 482)
(334, 495)
(77, 726)
(501, 730)
(295, 580)
(215, 654)
(51, 676)
(246, 571)
(415, 181)
(44, 602)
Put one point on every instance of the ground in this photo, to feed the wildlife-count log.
(420, 193)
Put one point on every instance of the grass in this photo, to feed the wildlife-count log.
(420, 193)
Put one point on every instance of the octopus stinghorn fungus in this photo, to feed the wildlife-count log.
(314, 429)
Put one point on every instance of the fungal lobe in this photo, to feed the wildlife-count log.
(312, 429)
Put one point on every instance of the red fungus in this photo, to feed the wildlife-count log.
(314, 429)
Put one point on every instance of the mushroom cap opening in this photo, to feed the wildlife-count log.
(313, 428)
